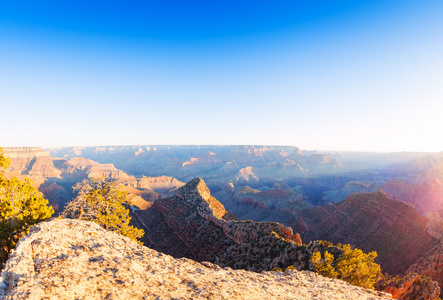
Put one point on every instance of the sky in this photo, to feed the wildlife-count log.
(326, 75)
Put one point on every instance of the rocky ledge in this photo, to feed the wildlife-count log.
(70, 259)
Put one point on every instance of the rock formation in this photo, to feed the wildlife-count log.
(413, 286)
(361, 186)
(221, 162)
(269, 205)
(195, 225)
(33, 162)
(373, 221)
(160, 184)
(425, 196)
(81, 167)
(70, 259)
(391, 228)
(55, 176)
(431, 264)
(246, 174)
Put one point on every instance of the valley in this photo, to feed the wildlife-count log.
(259, 198)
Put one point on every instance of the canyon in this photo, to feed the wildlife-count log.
(66, 259)
(55, 177)
(193, 224)
(264, 200)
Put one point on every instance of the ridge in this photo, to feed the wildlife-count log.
(72, 259)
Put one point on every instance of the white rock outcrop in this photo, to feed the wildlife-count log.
(70, 259)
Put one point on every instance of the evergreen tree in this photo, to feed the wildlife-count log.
(358, 268)
(323, 266)
(21, 206)
(102, 202)
(4, 161)
(350, 264)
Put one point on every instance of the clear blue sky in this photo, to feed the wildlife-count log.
(339, 75)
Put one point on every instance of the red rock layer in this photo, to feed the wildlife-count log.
(195, 225)
(373, 221)
(431, 264)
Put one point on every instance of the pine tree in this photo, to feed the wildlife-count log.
(102, 202)
(21, 206)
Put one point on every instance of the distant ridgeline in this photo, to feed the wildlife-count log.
(187, 162)
(314, 177)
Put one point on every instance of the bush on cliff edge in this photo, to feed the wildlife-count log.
(21, 206)
(353, 265)
(102, 201)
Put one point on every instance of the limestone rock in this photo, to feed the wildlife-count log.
(246, 174)
(54, 177)
(33, 162)
(159, 184)
(193, 224)
(71, 259)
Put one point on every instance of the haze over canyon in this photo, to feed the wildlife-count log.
(259, 208)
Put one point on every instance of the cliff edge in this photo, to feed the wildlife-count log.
(193, 224)
(71, 259)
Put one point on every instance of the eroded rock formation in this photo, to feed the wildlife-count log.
(33, 162)
(55, 176)
(373, 221)
(413, 286)
(195, 225)
(431, 264)
(71, 259)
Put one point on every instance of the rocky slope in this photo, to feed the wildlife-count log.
(431, 264)
(68, 259)
(82, 167)
(413, 177)
(55, 176)
(160, 184)
(37, 164)
(33, 162)
(412, 286)
(373, 221)
(274, 204)
(195, 225)
(212, 162)
(425, 196)
(361, 186)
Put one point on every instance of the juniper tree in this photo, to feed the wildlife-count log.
(358, 268)
(103, 202)
(323, 266)
(21, 206)
(4, 161)
(352, 265)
